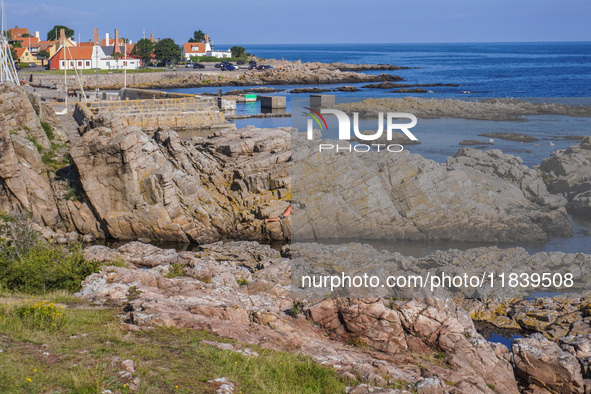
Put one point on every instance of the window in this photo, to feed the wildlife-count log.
(87, 63)
(79, 63)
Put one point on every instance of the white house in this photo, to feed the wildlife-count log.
(220, 54)
(79, 58)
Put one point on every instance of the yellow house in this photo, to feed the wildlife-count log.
(25, 56)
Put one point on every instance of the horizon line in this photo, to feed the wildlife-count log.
(414, 43)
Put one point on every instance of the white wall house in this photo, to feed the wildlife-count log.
(220, 54)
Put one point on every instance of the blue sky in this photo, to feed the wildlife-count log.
(320, 21)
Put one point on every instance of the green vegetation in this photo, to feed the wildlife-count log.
(30, 264)
(48, 130)
(80, 354)
(54, 33)
(37, 145)
(144, 49)
(52, 341)
(238, 52)
(166, 51)
(43, 54)
(52, 159)
(175, 270)
(242, 281)
(71, 194)
(198, 36)
(296, 308)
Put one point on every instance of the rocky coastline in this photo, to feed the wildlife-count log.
(243, 291)
(283, 73)
(105, 180)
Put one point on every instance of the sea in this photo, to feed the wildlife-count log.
(558, 72)
(541, 69)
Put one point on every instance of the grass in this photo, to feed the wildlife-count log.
(83, 355)
(48, 130)
(71, 72)
(175, 270)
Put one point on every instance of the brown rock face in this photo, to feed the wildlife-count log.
(544, 365)
(166, 189)
(24, 184)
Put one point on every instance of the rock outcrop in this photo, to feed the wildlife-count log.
(27, 153)
(555, 317)
(405, 196)
(511, 169)
(567, 172)
(543, 365)
(241, 290)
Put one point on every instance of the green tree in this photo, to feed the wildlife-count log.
(237, 51)
(166, 49)
(198, 36)
(14, 55)
(16, 44)
(26, 35)
(53, 34)
(144, 49)
(43, 54)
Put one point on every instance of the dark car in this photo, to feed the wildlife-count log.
(251, 62)
(228, 67)
(252, 67)
(264, 67)
(240, 62)
(198, 65)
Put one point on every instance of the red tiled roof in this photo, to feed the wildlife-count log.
(17, 32)
(20, 52)
(194, 47)
(86, 44)
(75, 53)
(29, 41)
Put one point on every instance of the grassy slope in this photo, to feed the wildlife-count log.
(82, 350)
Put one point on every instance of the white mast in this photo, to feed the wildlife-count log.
(7, 68)
(125, 63)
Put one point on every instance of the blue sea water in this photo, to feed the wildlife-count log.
(554, 69)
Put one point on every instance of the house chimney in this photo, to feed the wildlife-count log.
(37, 34)
(207, 39)
(107, 39)
(116, 48)
(96, 36)
(62, 37)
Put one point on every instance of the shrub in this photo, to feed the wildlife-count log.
(242, 281)
(30, 264)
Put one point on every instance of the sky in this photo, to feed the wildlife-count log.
(232, 22)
